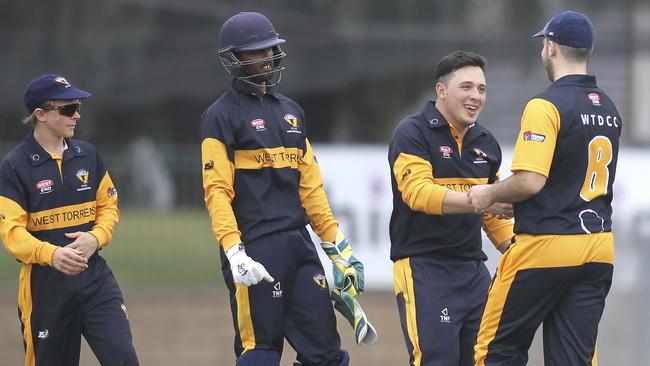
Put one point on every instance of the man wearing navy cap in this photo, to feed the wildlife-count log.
(559, 268)
(58, 207)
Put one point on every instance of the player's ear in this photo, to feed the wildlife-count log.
(441, 91)
(551, 47)
(39, 114)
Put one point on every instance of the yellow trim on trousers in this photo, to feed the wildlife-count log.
(403, 283)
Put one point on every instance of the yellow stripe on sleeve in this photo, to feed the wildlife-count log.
(497, 230)
(107, 214)
(540, 124)
(218, 185)
(313, 198)
(17, 240)
(415, 182)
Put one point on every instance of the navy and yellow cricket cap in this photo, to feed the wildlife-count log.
(569, 28)
(51, 87)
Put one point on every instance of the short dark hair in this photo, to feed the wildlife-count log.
(457, 60)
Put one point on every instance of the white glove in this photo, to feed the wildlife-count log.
(246, 271)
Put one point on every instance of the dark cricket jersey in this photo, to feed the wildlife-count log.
(427, 158)
(570, 134)
(42, 197)
(259, 171)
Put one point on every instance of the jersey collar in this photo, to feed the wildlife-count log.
(246, 88)
(435, 120)
(433, 116)
(37, 155)
(579, 80)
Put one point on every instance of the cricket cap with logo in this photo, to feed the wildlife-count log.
(51, 87)
(569, 28)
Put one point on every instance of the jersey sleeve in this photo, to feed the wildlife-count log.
(540, 124)
(497, 230)
(107, 214)
(414, 173)
(19, 242)
(217, 160)
(313, 197)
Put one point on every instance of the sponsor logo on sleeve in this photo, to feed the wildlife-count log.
(45, 186)
(532, 136)
(595, 99)
(111, 191)
(209, 165)
(406, 173)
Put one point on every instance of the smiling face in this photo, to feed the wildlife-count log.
(461, 98)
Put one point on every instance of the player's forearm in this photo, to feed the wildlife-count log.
(518, 187)
(224, 223)
(26, 248)
(456, 203)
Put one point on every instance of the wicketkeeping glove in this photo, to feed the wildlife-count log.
(350, 308)
(345, 267)
(246, 271)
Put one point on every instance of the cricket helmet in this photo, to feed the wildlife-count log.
(249, 31)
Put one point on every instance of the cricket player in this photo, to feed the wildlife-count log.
(435, 156)
(262, 187)
(58, 208)
(558, 270)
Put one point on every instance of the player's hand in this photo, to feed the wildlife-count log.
(346, 269)
(246, 271)
(500, 211)
(481, 197)
(69, 261)
(84, 242)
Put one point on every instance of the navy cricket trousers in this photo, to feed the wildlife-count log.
(56, 310)
(296, 306)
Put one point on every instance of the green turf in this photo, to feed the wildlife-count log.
(154, 248)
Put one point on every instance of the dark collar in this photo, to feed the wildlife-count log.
(38, 155)
(579, 80)
(246, 88)
(435, 120)
(433, 116)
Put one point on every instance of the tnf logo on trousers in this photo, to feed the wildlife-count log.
(445, 318)
(277, 290)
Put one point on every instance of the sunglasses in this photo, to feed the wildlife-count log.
(67, 110)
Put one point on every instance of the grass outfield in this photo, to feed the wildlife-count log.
(157, 248)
